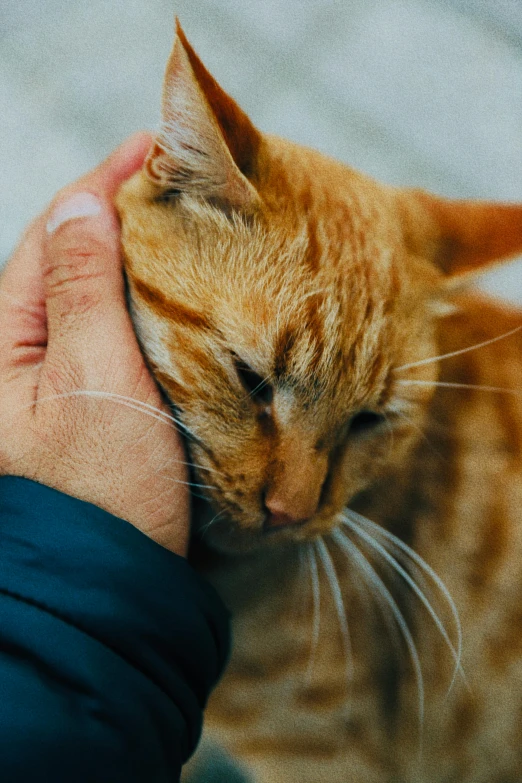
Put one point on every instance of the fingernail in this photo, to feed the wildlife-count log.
(79, 205)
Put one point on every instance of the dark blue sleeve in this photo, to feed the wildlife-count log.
(109, 645)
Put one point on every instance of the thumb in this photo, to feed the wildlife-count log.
(81, 266)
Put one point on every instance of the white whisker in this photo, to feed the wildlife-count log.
(418, 560)
(206, 527)
(418, 429)
(301, 549)
(129, 402)
(172, 461)
(333, 580)
(448, 385)
(457, 353)
(137, 405)
(260, 386)
(456, 654)
(202, 467)
(372, 576)
(133, 404)
(316, 608)
(189, 483)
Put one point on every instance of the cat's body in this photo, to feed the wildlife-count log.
(291, 309)
(458, 504)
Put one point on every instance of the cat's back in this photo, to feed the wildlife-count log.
(468, 523)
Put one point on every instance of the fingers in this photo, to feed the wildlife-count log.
(83, 282)
(119, 166)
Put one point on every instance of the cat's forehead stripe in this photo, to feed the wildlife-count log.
(285, 343)
(174, 311)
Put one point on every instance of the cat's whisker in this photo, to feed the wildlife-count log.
(380, 549)
(302, 565)
(410, 553)
(475, 347)
(374, 579)
(172, 461)
(337, 595)
(301, 574)
(417, 429)
(176, 421)
(206, 527)
(189, 483)
(316, 608)
(133, 404)
(129, 402)
(202, 467)
(449, 385)
(260, 386)
(141, 407)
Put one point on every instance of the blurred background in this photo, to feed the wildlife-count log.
(416, 92)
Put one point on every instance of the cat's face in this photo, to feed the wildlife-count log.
(277, 295)
(278, 337)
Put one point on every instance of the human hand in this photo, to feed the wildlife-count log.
(79, 410)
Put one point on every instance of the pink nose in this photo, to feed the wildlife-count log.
(293, 492)
(276, 517)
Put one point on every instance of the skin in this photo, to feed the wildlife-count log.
(65, 329)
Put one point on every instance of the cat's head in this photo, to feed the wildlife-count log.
(280, 298)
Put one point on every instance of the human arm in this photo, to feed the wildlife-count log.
(109, 643)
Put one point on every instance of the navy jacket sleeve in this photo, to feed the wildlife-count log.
(109, 645)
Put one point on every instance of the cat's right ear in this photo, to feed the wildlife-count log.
(207, 147)
(462, 238)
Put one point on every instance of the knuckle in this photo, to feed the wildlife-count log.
(75, 277)
(22, 358)
(76, 301)
(75, 257)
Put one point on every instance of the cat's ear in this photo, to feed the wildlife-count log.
(207, 146)
(462, 237)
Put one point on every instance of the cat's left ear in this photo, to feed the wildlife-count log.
(461, 237)
(207, 146)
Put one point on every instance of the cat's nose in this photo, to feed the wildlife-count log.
(280, 515)
(293, 491)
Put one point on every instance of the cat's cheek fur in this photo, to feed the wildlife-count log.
(153, 335)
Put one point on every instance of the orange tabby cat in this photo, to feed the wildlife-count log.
(334, 383)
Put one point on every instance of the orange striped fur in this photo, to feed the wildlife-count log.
(286, 304)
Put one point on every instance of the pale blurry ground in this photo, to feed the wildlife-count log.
(417, 92)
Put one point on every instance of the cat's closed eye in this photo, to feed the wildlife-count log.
(259, 389)
(364, 422)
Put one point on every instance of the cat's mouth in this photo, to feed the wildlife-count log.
(219, 529)
(234, 523)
